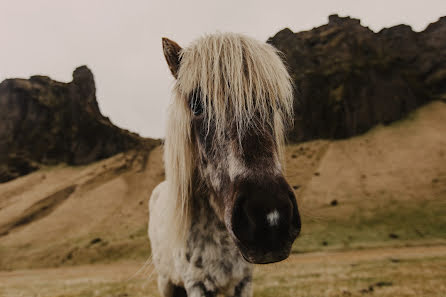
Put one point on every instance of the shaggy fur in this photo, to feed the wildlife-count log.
(245, 90)
(238, 77)
(209, 263)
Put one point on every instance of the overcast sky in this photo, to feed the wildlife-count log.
(120, 41)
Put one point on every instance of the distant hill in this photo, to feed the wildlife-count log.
(43, 121)
(349, 79)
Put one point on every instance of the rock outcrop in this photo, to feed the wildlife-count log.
(43, 121)
(348, 78)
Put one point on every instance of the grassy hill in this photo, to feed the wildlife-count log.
(384, 188)
(373, 220)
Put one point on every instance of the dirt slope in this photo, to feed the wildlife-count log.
(403, 161)
(386, 185)
(67, 215)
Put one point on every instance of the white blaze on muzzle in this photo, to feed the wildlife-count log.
(273, 218)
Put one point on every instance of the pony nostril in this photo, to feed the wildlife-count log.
(266, 221)
(242, 224)
(296, 222)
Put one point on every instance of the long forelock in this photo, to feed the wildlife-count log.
(242, 81)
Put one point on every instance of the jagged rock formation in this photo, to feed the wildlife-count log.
(46, 122)
(349, 78)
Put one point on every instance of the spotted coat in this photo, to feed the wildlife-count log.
(208, 264)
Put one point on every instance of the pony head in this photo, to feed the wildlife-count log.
(233, 99)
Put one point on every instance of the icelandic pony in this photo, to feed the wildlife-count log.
(225, 203)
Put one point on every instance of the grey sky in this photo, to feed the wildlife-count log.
(121, 40)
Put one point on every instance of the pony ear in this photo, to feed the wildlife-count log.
(172, 52)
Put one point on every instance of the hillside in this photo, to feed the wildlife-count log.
(66, 215)
(384, 188)
(349, 79)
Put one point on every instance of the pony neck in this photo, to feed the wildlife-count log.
(201, 201)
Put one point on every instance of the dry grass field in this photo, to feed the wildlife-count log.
(387, 272)
(373, 210)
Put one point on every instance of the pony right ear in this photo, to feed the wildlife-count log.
(172, 51)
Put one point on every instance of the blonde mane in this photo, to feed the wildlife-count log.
(239, 78)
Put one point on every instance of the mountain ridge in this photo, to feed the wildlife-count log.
(348, 79)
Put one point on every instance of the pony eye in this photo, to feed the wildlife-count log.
(196, 104)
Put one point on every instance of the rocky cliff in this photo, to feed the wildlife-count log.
(349, 78)
(43, 121)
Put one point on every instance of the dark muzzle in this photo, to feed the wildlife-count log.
(265, 220)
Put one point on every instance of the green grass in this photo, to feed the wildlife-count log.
(397, 223)
(133, 288)
(411, 276)
(341, 227)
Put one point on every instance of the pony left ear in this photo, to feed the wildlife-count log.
(172, 51)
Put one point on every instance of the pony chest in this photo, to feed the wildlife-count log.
(210, 254)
